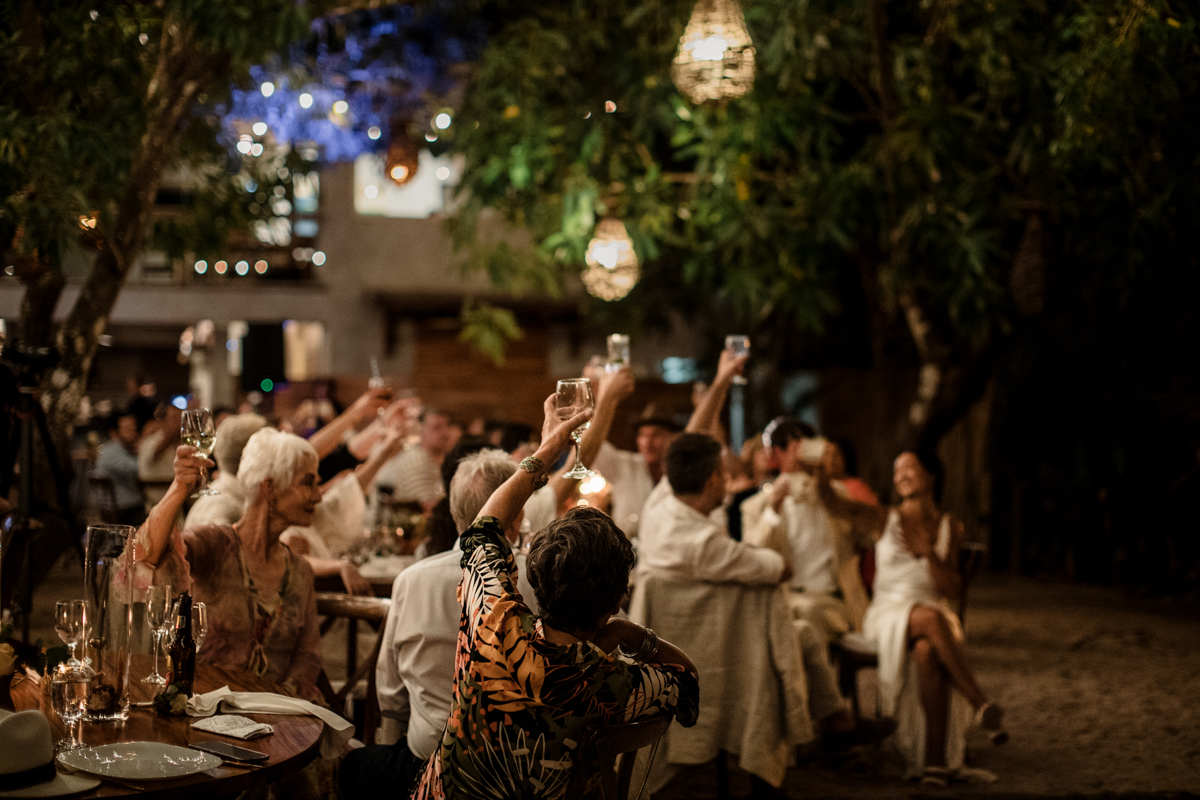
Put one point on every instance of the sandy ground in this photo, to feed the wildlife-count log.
(1102, 694)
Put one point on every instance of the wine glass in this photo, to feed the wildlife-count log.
(199, 623)
(618, 351)
(68, 697)
(70, 622)
(574, 396)
(739, 345)
(197, 430)
(158, 617)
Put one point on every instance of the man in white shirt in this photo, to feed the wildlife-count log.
(791, 518)
(415, 671)
(415, 474)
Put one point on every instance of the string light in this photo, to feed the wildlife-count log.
(220, 267)
(241, 267)
(259, 128)
(260, 267)
(201, 267)
(373, 132)
(341, 106)
(267, 89)
(305, 100)
(371, 191)
(442, 121)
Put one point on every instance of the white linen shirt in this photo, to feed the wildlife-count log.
(415, 672)
(678, 542)
(630, 484)
(810, 535)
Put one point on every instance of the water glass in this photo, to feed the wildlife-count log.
(68, 697)
(739, 345)
(618, 351)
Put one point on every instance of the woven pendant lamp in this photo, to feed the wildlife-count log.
(715, 60)
(402, 155)
(612, 265)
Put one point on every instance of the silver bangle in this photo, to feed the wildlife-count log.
(647, 650)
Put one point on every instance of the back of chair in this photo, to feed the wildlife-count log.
(605, 744)
(373, 610)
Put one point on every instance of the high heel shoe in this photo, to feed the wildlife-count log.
(990, 718)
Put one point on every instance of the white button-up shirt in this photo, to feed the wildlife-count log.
(630, 484)
(809, 533)
(415, 672)
(678, 542)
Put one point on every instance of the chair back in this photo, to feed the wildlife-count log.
(605, 743)
(373, 611)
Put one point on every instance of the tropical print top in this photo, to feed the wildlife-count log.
(520, 702)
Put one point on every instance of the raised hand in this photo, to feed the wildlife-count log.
(556, 433)
(187, 466)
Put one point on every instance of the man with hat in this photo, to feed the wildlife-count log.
(27, 759)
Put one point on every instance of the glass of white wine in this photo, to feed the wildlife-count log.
(198, 431)
(574, 396)
(739, 345)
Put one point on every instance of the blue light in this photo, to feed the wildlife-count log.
(179, 401)
(231, 345)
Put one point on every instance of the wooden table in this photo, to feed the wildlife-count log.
(291, 748)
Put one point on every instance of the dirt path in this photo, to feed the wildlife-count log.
(1102, 695)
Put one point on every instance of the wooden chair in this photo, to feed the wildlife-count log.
(854, 653)
(374, 611)
(605, 744)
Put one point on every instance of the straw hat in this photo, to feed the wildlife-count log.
(27, 759)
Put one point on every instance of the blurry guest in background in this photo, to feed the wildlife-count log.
(143, 400)
(758, 461)
(220, 413)
(740, 487)
(415, 671)
(415, 475)
(156, 453)
(118, 461)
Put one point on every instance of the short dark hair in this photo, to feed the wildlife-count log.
(691, 460)
(784, 430)
(579, 568)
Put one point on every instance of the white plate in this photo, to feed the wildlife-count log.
(139, 761)
(381, 567)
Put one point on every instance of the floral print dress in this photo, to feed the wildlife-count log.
(520, 702)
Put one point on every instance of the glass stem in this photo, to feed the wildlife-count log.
(578, 463)
(156, 648)
(203, 479)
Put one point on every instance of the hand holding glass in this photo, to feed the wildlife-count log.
(574, 396)
(739, 345)
(618, 351)
(197, 430)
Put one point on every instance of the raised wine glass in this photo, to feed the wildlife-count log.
(574, 396)
(158, 613)
(70, 622)
(618, 352)
(197, 430)
(739, 345)
(199, 623)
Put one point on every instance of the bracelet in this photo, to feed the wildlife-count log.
(535, 466)
(648, 648)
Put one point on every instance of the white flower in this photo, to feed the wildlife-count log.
(8, 659)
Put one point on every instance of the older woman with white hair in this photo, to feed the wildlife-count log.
(262, 607)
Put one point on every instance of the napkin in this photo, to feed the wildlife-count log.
(334, 737)
(234, 725)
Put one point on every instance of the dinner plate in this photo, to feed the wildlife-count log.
(139, 761)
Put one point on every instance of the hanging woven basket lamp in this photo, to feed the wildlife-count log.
(715, 60)
(612, 265)
(402, 155)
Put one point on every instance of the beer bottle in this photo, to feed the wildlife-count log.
(181, 655)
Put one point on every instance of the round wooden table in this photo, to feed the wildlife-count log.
(290, 749)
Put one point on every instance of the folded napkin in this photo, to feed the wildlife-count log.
(234, 725)
(333, 739)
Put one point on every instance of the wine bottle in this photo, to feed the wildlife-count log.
(181, 655)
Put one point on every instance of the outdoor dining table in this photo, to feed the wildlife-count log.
(292, 746)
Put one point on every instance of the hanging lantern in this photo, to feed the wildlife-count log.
(612, 265)
(716, 55)
(402, 155)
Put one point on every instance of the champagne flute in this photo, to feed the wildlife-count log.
(68, 697)
(197, 430)
(158, 614)
(70, 621)
(739, 345)
(574, 396)
(199, 623)
(618, 351)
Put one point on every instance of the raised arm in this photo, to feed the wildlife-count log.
(393, 443)
(366, 406)
(869, 517)
(507, 501)
(710, 405)
(614, 387)
(161, 521)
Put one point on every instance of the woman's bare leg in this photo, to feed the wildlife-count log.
(934, 686)
(929, 624)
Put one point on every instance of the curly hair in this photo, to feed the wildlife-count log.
(579, 569)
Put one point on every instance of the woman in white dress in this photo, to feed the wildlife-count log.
(916, 560)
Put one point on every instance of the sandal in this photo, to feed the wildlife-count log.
(990, 718)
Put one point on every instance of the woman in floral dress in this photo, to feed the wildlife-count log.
(527, 687)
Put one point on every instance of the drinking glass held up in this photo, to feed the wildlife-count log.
(574, 396)
(739, 345)
(197, 430)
